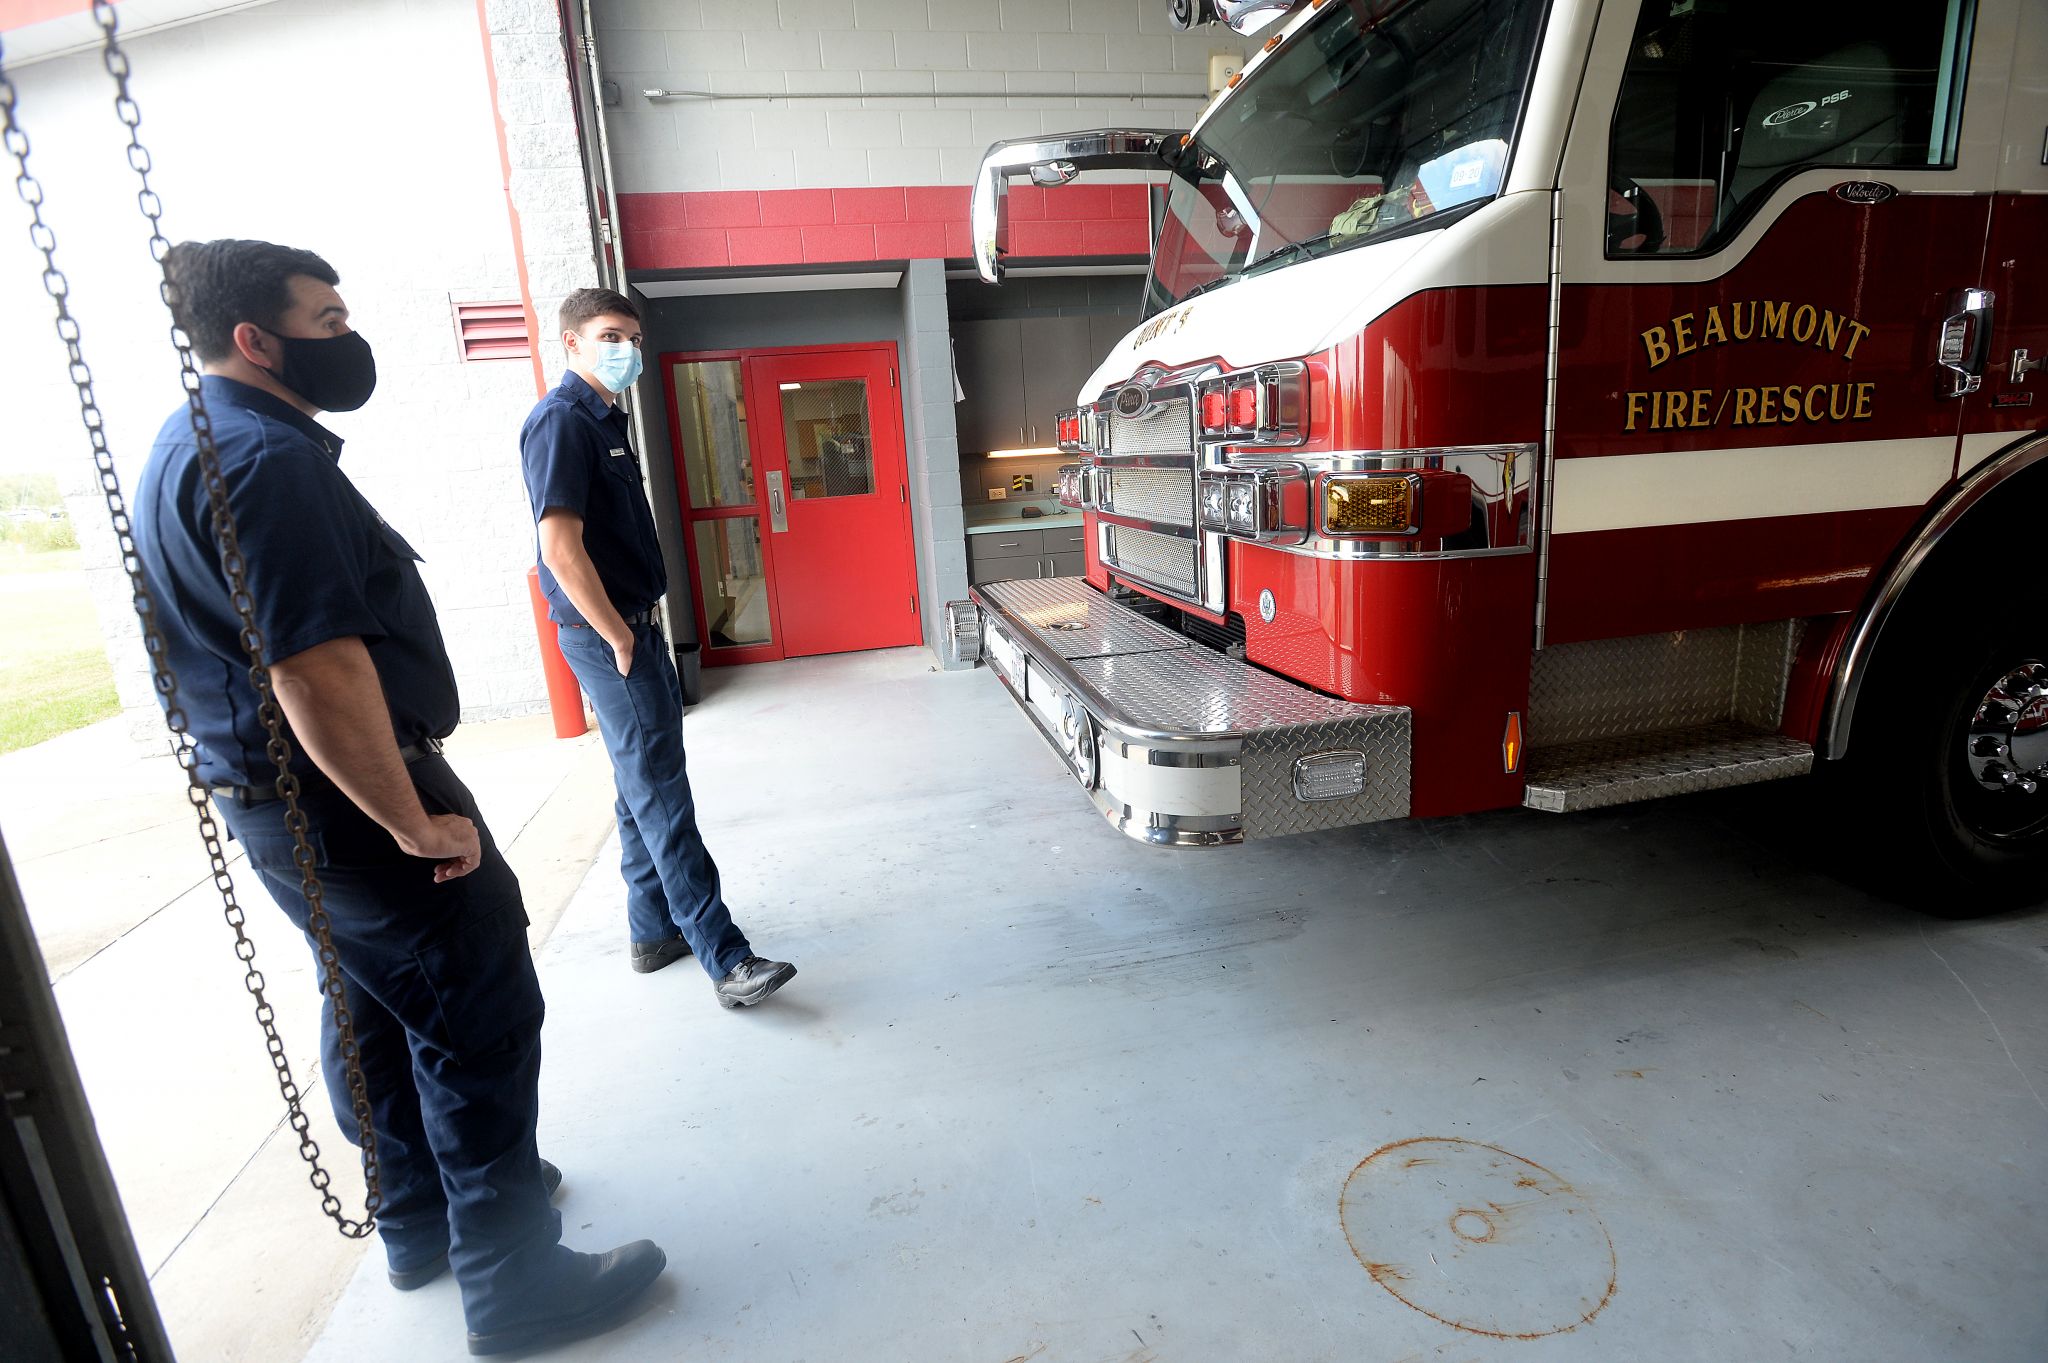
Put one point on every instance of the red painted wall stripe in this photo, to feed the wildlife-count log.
(21, 13)
(771, 227)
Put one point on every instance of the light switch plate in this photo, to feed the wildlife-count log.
(997, 494)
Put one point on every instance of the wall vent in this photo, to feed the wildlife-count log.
(492, 331)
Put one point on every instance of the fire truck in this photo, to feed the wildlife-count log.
(1563, 404)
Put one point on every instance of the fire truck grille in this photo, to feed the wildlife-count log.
(1164, 561)
(1165, 428)
(1163, 495)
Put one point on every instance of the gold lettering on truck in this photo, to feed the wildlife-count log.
(1766, 319)
(1739, 323)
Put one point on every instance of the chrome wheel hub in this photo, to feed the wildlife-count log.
(1077, 736)
(2007, 743)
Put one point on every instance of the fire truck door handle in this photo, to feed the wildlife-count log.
(1966, 341)
(2022, 364)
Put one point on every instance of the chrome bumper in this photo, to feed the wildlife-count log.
(1176, 744)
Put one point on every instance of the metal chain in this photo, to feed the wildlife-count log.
(253, 643)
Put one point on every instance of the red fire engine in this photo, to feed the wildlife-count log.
(1564, 404)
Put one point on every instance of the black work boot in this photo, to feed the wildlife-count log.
(751, 981)
(649, 957)
(601, 1292)
(413, 1279)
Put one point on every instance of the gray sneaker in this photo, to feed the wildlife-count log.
(751, 981)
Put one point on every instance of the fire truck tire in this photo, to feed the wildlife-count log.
(1935, 835)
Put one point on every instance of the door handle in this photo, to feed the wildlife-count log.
(778, 510)
(2021, 364)
(1966, 341)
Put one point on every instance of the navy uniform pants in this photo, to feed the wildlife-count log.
(671, 881)
(447, 1013)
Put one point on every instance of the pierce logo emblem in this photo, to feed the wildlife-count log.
(1131, 400)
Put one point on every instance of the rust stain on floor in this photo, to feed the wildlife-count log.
(1516, 1229)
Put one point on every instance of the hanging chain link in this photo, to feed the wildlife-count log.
(235, 570)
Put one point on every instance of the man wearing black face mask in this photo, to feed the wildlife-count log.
(426, 916)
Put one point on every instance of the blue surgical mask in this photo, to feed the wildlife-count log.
(617, 364)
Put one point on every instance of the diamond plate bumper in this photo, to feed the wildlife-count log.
(1180, 746)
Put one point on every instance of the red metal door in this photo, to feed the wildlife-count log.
(831, 451)
(794, 500)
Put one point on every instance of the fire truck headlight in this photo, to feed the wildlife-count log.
(1244, 509)
(1366, 504)
(1213, 505)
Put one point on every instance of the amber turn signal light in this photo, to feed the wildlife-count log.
(1369, 504)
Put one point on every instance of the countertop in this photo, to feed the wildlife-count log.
(991, 521)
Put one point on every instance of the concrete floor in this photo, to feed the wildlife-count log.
(1043, 1093)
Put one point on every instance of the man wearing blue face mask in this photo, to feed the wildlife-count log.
(602, 573)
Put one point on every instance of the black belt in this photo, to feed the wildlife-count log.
(646, 617)
(310, 779)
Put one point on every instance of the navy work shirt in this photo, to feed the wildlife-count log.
(321, 565)
(578, 456)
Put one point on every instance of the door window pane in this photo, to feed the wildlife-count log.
(713, 415)
(825, 437)
(1721, 102)
(732, 581)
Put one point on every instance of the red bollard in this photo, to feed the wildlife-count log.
(565, 698)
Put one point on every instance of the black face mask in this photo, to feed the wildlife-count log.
(334, 373)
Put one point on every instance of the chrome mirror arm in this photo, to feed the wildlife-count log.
(1051, 161)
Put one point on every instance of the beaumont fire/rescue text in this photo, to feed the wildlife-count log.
(1766, 405)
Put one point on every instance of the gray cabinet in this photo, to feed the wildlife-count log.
(1106, 330)
(1018, 374)
(990, 359)
(1006, 555)
(1057, 361)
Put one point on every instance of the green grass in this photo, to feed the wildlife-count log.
(54, 675)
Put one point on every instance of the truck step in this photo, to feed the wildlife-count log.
(1176, 744)
(1619, 771)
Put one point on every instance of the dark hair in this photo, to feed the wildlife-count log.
(215, 286)
(584, 304)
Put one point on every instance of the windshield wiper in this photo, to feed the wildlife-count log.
(1204, 288)
(1273, 259)
(1286, 251)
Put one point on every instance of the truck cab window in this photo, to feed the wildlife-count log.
(1723, 99)
(1373, 118)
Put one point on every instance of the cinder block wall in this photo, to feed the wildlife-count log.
(404, 195)
(991, 69)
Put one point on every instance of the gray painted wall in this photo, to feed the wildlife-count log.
(934, 449)
(1047, 296)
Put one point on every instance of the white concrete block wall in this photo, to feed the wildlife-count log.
(382, 157)
(970, 72)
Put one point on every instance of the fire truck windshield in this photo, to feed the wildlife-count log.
(1374, 117)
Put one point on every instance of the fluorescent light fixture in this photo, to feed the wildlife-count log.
(1041, 451)
(789, 387)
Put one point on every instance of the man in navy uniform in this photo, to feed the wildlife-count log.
(601, 570)
(426, 916)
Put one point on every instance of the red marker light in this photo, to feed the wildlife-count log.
(1244, 407)
(1212, 410)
